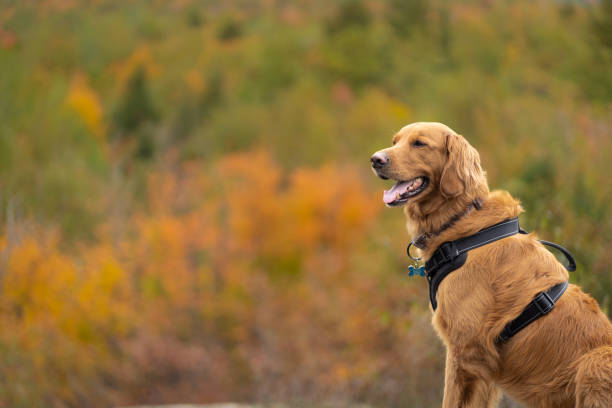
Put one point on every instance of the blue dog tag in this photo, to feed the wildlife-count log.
(416, 271)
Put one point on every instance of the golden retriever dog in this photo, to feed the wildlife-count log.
(564, 358)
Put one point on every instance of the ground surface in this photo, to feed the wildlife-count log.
(505, 403)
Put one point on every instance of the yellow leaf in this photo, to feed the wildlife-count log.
(85, 102)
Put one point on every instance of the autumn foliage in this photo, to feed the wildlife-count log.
(239, 282)
(186, 208)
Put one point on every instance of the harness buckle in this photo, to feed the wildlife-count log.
(449, 250)
(543, 302)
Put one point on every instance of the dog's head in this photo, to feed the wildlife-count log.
(432, 164)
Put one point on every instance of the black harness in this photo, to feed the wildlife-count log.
(452, 255)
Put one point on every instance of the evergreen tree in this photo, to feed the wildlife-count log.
(136, 106)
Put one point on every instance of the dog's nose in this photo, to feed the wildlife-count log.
(379, 159)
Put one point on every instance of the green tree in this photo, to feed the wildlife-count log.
(136, 109)
(406, 15)
(136, 106)
(352, 13)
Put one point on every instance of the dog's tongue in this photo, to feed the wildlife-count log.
(396, 191)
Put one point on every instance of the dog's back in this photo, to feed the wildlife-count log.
(564, 360)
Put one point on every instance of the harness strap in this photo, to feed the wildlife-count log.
(571, 263)
(452, 255)
(543, 303)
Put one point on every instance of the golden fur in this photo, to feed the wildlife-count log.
(563, 359)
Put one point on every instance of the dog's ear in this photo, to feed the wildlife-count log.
(462, 167)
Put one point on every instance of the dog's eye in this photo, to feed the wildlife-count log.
(418, 143)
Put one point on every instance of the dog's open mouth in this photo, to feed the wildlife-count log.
(402, 191)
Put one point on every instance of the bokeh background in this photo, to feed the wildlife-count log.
(187, 210)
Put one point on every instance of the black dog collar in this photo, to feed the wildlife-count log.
(422, 240)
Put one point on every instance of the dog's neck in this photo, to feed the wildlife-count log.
(497, 206)
(421, 240)
(437, 213)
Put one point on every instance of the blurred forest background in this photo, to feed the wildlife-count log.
(187, 210)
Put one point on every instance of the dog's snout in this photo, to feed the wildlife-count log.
(379, 159)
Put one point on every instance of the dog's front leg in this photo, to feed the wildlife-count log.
(463, 389)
